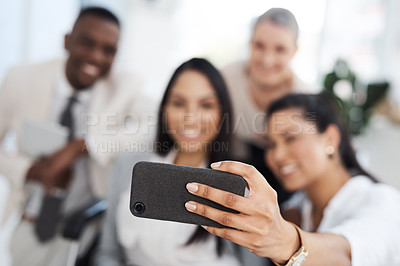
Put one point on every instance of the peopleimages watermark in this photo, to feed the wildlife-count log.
(117, 123)
(294, 123)
(135, 146)
(145, 123)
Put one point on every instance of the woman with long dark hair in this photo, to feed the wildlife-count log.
(345, 216)
(194, 126)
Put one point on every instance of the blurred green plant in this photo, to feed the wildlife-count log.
(355, 99)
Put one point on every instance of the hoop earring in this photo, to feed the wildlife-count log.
(330, 150)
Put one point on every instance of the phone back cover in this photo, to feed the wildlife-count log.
(162, 189)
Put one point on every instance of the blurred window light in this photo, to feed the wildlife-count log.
(355, 31)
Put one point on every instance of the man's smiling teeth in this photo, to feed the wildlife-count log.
(287, 169)
(90, 70)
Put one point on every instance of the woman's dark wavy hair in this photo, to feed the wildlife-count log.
(223, 139)
(324, 111)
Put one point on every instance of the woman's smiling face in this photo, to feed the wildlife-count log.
(272, 49)
(295, 150)
(193, 112)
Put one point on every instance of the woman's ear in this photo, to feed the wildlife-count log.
(333, 136)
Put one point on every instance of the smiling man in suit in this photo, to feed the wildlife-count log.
(93, 102)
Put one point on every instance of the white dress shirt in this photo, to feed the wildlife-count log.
(79, 192)
(366, 214)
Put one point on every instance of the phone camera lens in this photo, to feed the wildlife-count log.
(138, 207)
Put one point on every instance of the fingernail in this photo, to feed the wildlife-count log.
(215, 165)
(190, 206)
(192, 187)
(205, 227)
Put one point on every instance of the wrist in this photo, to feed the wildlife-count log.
(300, 253)
(37, 170)
(289, 246)
(79, 147)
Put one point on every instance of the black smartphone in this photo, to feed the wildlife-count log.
(158, 191)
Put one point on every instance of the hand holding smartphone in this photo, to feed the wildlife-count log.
(158, 191)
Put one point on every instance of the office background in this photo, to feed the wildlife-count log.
(160, 34)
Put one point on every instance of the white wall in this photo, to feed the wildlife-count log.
(378, 150)
(33, 30)
(391, 49)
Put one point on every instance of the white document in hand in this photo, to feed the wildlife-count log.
(41, 138)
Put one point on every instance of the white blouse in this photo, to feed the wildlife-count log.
(154, 242)
(366, 214)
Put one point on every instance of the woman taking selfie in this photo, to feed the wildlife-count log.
(195, 114)
(345, 216)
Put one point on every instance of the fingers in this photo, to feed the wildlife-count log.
(238, 237)
(252, 176)
(225, 218)
(224, 198)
